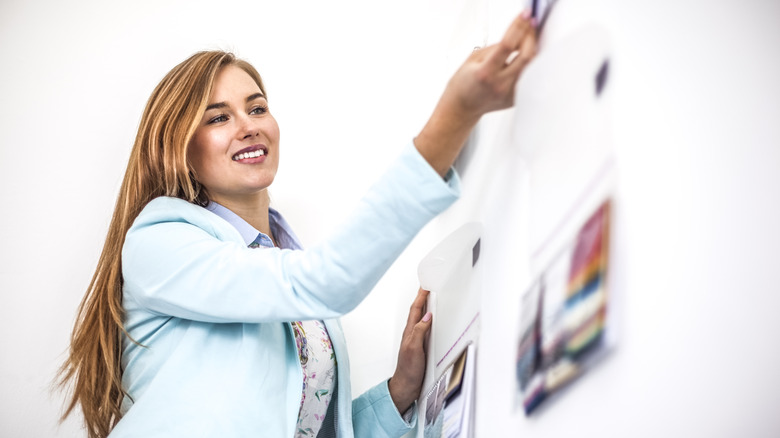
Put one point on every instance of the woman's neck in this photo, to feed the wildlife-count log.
(252, 208)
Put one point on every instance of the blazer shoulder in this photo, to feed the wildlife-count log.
(166, 209)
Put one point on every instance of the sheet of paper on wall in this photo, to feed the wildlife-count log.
(563, 131)
(564, 327)
(452, 274)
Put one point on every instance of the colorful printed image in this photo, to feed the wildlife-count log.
(563, 314)
(450, 405)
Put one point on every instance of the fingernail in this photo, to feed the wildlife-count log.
(534, 22)
(526, 13)
(427, 317)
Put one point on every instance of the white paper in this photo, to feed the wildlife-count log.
(452, 274)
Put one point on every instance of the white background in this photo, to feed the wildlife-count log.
(696, 117)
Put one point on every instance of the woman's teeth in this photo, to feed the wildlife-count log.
(253, 154)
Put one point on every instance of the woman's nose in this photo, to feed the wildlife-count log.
(247, 127)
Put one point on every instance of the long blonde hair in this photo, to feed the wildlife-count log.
(157, 167)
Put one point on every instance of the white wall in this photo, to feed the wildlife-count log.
(694, 91)
(696, 136)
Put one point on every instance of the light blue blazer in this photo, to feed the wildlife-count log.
(214, 354)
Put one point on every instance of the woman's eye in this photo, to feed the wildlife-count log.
(259, 110)
(218, 119)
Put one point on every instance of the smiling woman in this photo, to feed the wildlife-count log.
(206, 317)
(234, 151)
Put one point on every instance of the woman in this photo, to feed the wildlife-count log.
(205, 317)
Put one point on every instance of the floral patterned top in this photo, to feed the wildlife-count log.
(319, 375)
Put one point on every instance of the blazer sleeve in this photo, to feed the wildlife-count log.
(374, 414)
(179, 259)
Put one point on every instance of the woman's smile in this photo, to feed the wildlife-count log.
(251, 155)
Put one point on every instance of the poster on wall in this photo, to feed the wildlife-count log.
(563, 323)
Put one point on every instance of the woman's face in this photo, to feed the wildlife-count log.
(235, 149)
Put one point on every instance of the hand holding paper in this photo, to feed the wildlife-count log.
(406, 383)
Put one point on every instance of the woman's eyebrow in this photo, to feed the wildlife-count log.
(216, 105)
(223, 104)
(255, 96)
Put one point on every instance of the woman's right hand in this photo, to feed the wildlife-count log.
(485, 82)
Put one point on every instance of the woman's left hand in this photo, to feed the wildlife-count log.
(406, 383)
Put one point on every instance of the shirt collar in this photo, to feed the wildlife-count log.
(281, 230)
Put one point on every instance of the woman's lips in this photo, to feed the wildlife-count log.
(251, 154)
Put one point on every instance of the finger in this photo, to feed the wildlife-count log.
(525, 54)
(418, 307)
(512, 39)
(417, 310)
(421, 330)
